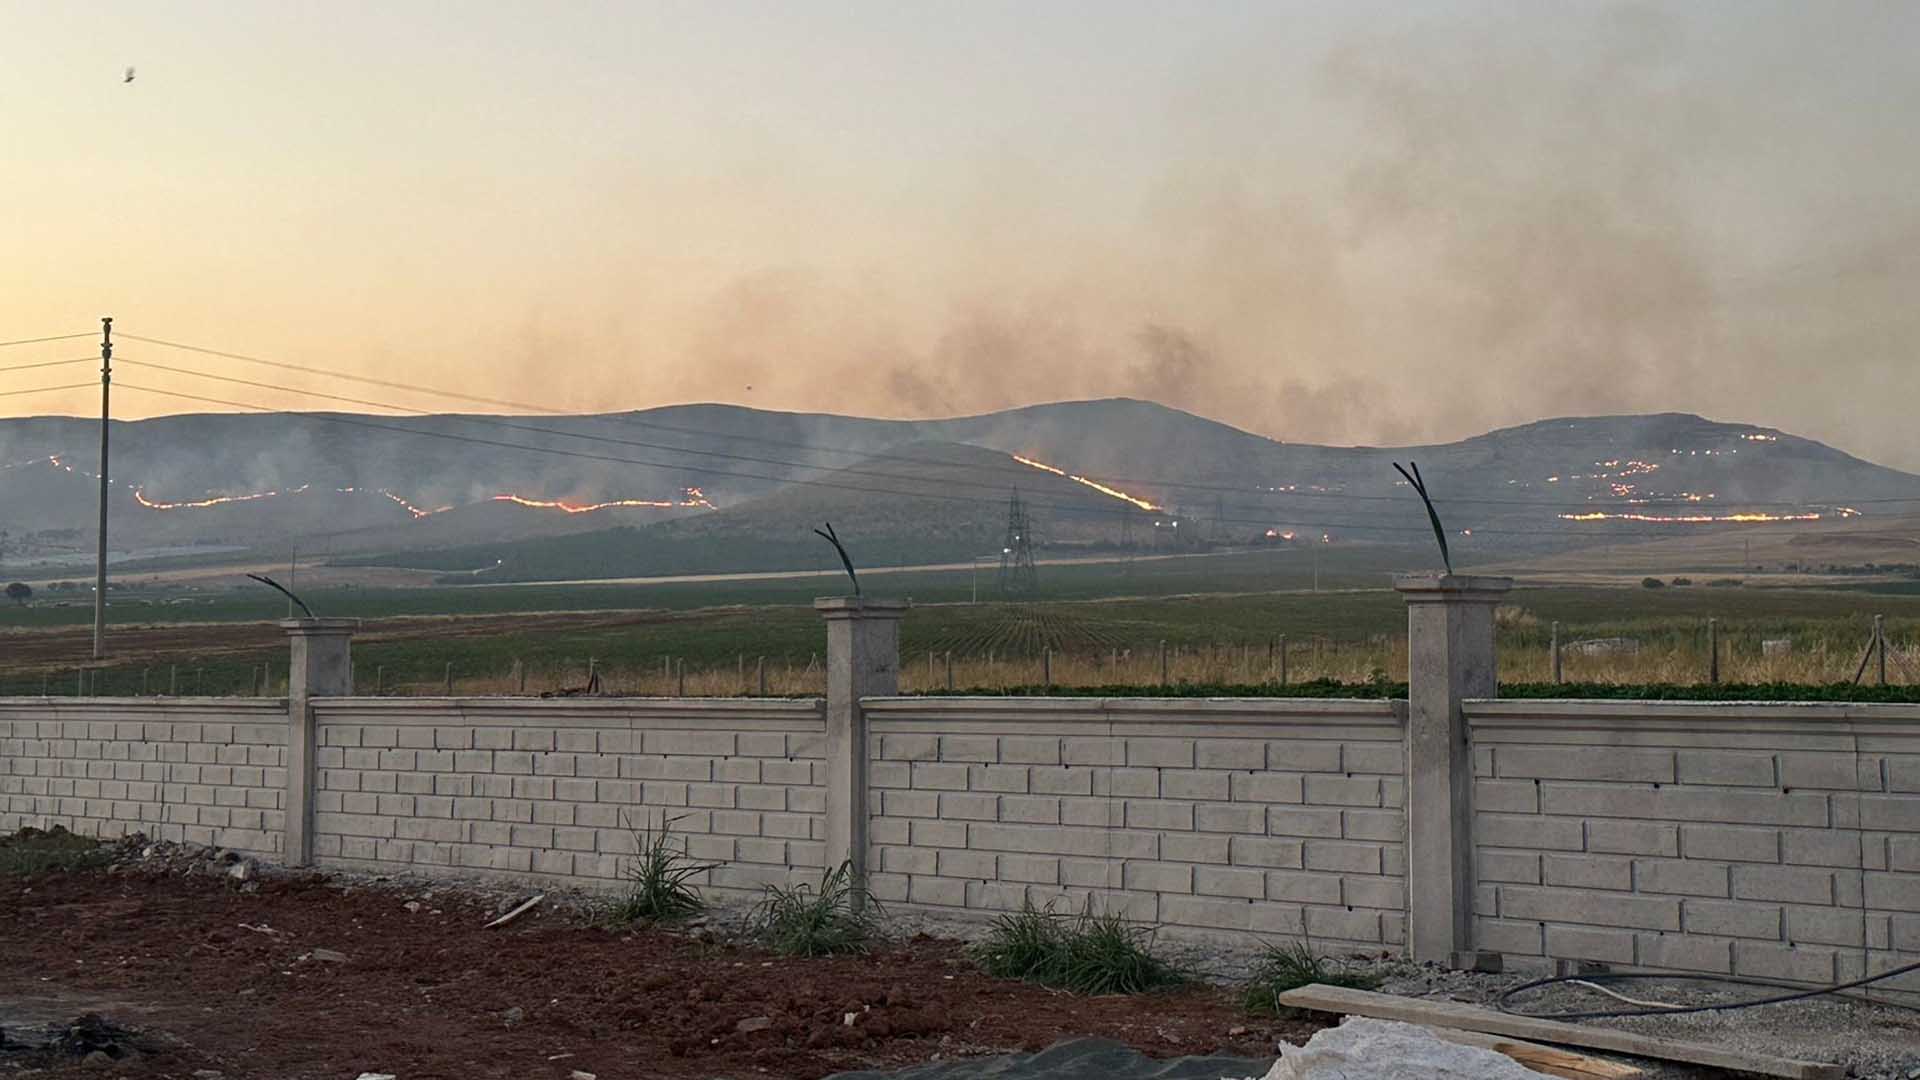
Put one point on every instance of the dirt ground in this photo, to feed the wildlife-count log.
(312, 978)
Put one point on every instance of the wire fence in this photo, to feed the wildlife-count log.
(1531, 653)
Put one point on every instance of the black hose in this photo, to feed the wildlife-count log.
(1504, 1001)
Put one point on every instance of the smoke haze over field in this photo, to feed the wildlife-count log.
(1354, 223)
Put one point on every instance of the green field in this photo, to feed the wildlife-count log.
(1217, 616)
(1339, 567)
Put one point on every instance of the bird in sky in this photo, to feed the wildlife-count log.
(129, 77)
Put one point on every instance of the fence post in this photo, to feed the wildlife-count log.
(1555, 646)
(1880, 645)
(320, 665)
(863, 660)
(760, 674)
(1283, 659)
(1713, 651)
(1450, 658)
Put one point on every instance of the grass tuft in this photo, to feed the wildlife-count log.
(659, 889)
(1289, 967)
(839, 917)
(1085, 954)
(1025, 944)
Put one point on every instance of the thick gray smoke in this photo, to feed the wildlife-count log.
(1471, 221)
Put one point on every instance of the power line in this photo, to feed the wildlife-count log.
(56, 337)
(48, 389)
(586, 436)
(869, 455)
(335, 418)
(49, 363)
(455, 395)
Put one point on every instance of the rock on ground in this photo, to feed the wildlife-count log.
(1389, 1050)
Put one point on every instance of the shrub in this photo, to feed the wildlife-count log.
(1513, 616)
(1289, 967)
(839, 917)
(1682, 582)
(1652, 583)
(30, 852)
(658, 889)
(1084, 954)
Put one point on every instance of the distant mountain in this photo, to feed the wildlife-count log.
(704, 487)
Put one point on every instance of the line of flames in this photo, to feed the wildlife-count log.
(1712, 519)
(692, 497)
(140, 497)
(1094, 484)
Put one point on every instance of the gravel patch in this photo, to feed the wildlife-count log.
(1875, 1042)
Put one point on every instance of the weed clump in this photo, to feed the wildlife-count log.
(659, 882)
(1289, 967)
(30, 852)
(837, 918)
(1084, 954)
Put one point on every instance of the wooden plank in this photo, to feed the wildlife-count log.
(1543, 1059)
(515, 913)
(1453, 1014)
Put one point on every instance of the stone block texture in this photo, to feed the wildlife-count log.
(192, 770)
(562, 789)
(1230, 819)
(1774, 841)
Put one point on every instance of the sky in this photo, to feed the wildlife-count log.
(1357, 223)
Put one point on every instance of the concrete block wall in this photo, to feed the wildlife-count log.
(1775, 841)
(193, 770)
(1277, 819)
(558, 788)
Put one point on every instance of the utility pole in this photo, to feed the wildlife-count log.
(100, 564)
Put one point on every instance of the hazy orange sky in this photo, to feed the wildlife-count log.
(1340, 222)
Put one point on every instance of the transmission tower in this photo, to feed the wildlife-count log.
(1018, 576)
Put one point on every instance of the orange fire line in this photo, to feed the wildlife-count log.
(1095, 485)
(694, 499)
(1707, 519)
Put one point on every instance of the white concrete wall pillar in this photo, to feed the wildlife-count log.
(863, 660)
(1450, 658)
(321, 666)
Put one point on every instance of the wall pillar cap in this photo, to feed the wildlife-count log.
(319, 627)
(1451, 587)
(859, 607)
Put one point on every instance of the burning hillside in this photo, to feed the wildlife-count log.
(1099, 474)
(143, 517)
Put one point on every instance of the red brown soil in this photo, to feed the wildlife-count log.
(428, 994)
